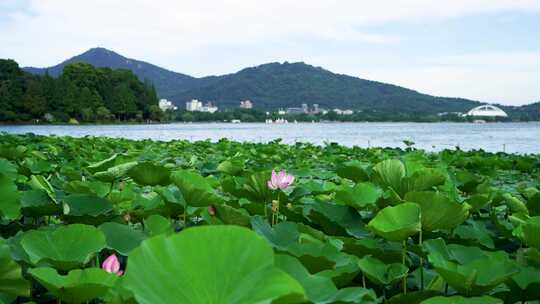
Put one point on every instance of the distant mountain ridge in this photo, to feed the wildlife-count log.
(164, 80)
(272, 86)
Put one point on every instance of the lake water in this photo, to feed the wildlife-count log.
(494, 137)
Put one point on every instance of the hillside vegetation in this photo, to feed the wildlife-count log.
(82, 92)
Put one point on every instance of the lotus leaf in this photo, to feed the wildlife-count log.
(10, 205)
(381, 273)
(438, 211)
(114, 173)
(12, 282)
(320, 289)
(78, 286)
(397, 223)
(469, 270)
(147, 173)
(195, 189)
(531, 232)
(65, 248)
(360, 196)
(121, 238)
(212, 264)
(462, 300)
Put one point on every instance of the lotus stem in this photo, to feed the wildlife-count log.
(421, 263)
(363, 280)
(404, 255)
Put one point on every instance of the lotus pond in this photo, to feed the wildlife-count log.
(100, 220)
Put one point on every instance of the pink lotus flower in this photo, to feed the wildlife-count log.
(112, 265)
(280, 180)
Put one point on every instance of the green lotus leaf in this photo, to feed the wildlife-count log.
(232, 216)
(103, 165)
(114, 173)
(37, 203)
(8, 169)
(438, 211)
(87, 205)
(516, 205)
(122, 238)
(78, 286)
(360, 196)
(37, 166)
(478, 201)
(156, 225)
(65, 248)
(476, 232)
(397, 223)
(98, 188)
(12, 282)
(10, 204)
(209, 264)
(424, 179)
(531, 232)
(195, 189)
(39, 182)
(231, 166)
(381, 273)
(336, 219)
(256, 188)
(415, 297)
(469, 270)
(390, 173)
(524, 286)
(462, 300)
(280, 236)
(149, 174)
(321, 289)
(353, 170)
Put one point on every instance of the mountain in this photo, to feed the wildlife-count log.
(165, 81)
(274, 85)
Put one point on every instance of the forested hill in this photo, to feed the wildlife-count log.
(274, 85)
(82, 93)
(167, 83)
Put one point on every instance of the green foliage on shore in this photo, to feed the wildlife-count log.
(82, 93)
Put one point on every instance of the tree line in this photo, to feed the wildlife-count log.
(82, 93)
(256, 115)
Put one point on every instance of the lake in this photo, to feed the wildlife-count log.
(494, 137)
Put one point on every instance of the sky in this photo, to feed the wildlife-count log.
(486, 50)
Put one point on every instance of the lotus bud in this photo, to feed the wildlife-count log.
(112, 265)
(275, 206)
(212, 210)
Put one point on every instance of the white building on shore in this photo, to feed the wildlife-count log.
(197, 106)
(166, 105)
(246, 104)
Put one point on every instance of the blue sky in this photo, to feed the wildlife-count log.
(487, 50)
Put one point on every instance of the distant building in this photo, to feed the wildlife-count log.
(316, 109)
(486, 111)
(295, 110)
(246, 104)
(194, 105)
(166, 105)
(305, 108)
(197, 106)
(343, 112)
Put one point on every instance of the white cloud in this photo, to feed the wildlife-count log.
(507, 78)
(180, 34)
